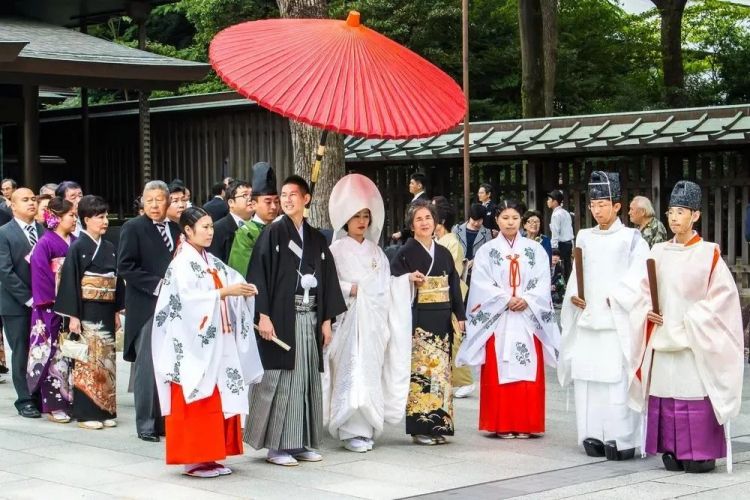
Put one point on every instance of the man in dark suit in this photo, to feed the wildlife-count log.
(484, 195)
(217, 207)
(417, 188)
(17, 238)
(147, 244)
(240, 211)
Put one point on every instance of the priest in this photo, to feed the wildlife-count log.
(594, 354)
(298, 297)
(265, 205)
(687, 372)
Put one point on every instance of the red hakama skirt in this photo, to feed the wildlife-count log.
(513, 407)
(198, 432)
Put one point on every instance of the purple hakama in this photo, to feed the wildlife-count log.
(48, 373)
(686, 428)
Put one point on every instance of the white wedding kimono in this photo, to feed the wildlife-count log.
(200, 341)
(355, 378)
(594, 352)
(488, 313)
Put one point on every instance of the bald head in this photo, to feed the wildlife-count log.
(23, 204)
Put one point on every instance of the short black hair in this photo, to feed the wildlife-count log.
(529, 214)
(556, 251)
(217, 189)
(234, 186)
(297, 181)
(65, 186)
(190, 216)
(477, 211)
(176, 188)
(510, 204)
(91, 205)
(487, 188)
(419, 177)
(416, 206)
(446, 214)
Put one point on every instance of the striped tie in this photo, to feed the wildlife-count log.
(32, 234)
(162, 226)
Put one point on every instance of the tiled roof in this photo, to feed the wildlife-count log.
(581, 135)
(53, 50)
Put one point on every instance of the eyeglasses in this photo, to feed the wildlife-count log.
(246, 196)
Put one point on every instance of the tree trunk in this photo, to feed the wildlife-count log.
(305, 139)
(671, 50)
(532, 58)
(550, 14)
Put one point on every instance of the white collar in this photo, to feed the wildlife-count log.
(237, 219)
(24, 225)
(417, 195)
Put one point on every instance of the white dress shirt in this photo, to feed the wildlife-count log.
(561, 226)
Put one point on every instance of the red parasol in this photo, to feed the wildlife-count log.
(338, 76)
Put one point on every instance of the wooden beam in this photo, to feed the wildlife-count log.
(656, 185)
(30, 136)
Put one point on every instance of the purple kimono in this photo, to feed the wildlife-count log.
(48, 372)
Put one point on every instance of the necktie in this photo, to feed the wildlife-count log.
(32, 234)
(162, 226)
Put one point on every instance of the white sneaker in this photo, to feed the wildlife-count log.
(356, 445)
(370, 443)
(465, 391)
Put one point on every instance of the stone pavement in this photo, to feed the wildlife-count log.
(40, 459)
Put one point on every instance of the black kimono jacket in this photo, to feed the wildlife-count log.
(81, 258)
(273, 269)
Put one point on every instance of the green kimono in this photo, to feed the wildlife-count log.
(242, 248)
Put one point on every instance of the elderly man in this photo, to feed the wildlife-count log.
(71, 191)
(147, 244)
(642, 214)
(48, 189)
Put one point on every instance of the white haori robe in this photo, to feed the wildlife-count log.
(488, 314)
(191, 346)
(594, 352)
(698, 351)
(353, 399)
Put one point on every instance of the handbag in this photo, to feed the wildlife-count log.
(74, 346)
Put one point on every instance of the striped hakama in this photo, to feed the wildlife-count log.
(286, 407)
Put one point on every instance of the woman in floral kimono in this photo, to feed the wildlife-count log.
(47, 371)
(511, 330)
(429, 266)
(91, 294)
(204, 351)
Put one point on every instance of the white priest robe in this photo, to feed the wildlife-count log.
(698, 352)
(353, 379)
(594, 353)
(201, 341)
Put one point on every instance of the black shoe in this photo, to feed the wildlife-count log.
(147, 436)
(593, 447)
(29, 411)
(3, 370)
(699, 466)
(612, 453)
(671, 463)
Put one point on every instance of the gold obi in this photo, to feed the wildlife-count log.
(434, 290)
(98, 288)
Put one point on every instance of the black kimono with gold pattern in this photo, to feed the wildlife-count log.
(429, 408)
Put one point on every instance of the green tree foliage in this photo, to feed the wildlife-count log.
(609, 60)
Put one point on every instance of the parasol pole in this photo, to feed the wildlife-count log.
(467, 125)
(315, 173)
